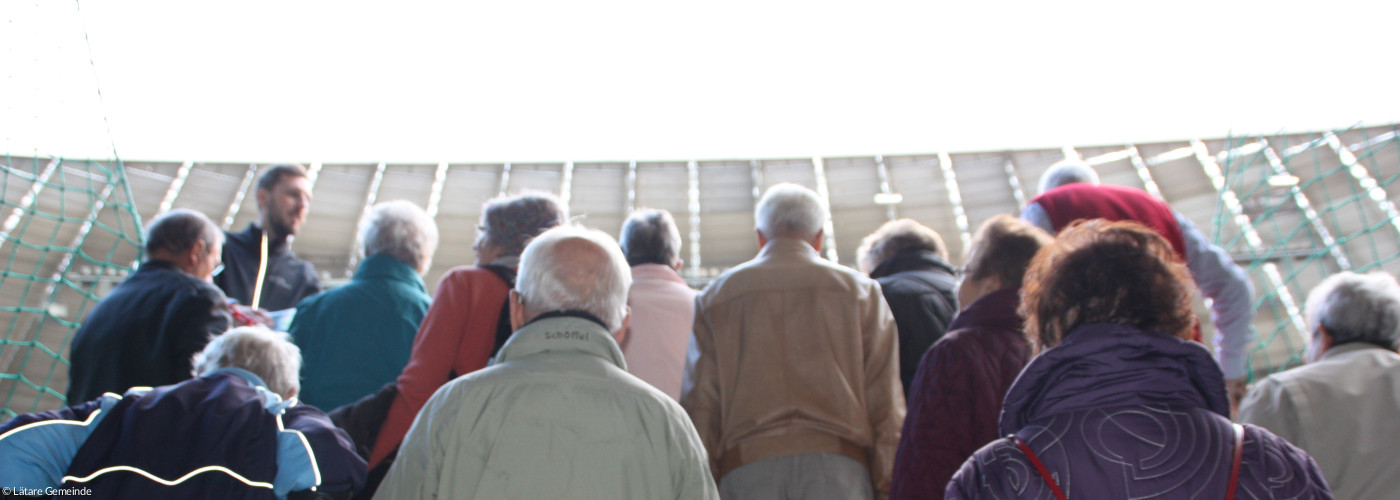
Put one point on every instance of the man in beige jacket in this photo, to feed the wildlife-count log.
(797, 391)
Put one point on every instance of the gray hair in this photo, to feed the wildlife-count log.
(790, 210)
(1357, 308)
(270, 355)
(508, 222)
(897, 236)
(649, 236)
(1068, 172)
(175, 232)
(400, 229)
(572, 268)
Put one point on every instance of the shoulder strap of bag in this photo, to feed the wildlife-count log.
(1039, 467)
(1235, 464)
(503, 330)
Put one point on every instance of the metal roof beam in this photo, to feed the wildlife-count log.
(631, 187)
(238, 196)
(1309, 214)
(176, 185)
(371, 195)
(950, 181)
(883, 173)
(1143, 173)
(828, 227)
(566, 185)
(692, 169)
(1363, 178)
(27, 202)
(505, 179)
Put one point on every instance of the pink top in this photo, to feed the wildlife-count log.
(663, 310)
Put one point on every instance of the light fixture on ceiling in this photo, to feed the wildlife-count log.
(1283, 180)
(888, 198)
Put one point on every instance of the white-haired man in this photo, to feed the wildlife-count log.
(796, 389)
(234, 431)
(1342, 406)
(1070, 191)
(357, 337)
(557, 415)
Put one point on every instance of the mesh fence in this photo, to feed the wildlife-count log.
(1296, 209)
(70, 232)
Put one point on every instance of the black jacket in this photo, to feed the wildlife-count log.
(921, 290)
(144, 332)
(288, 278)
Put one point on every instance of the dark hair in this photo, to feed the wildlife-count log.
(649, 236)
(176, 231)
(1106, 272)
(1003, 248)
(274, 174)
(509, 222)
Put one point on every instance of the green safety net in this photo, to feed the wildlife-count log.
(68, 232)
(1296, 209)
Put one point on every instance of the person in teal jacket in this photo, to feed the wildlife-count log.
(357, 337)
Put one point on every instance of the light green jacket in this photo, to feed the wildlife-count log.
(556, 417)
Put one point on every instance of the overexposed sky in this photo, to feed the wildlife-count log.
(610, 80)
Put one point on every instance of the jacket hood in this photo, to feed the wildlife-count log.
(1106, 365)
(562, 334)
(911, 260)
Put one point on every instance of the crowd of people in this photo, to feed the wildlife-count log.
(1062, 360)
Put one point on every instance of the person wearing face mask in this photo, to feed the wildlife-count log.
(144, 332)
(260, 270)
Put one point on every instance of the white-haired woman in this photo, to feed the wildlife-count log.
(357, 337)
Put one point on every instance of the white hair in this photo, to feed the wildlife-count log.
(790, 210)
(1357, 308)
(555, 275)
(400, 229)
(269, 354)
(1068, 172)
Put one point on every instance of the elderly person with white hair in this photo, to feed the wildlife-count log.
(1070, 191)
(557, 415)
(357, 337)
(234, 431)
(1342, 406)
(796, 388)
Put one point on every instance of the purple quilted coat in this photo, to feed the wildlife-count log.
(1114, 413)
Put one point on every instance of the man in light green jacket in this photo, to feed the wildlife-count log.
(556, 415)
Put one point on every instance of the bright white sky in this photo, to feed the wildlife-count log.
(598, 80)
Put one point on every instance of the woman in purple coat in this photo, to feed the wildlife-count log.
(1119, 404)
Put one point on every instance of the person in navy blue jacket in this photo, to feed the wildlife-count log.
(234, 431)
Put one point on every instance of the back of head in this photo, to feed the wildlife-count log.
(176, 232)
(402, 230)
(274, 174)
(650, 236)
(510, 221)
(1357, 308)
(1098, 271)
(898, 236)
(270, 355)
(790, 211)
(1002, 249)
(1068, 172)
(572, 268)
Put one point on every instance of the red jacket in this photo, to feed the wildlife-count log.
(1072, 202)
(957, 394)
(454, 339)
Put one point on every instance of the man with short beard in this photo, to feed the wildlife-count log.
(284, 195)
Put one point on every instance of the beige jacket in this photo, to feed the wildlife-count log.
(797, 355)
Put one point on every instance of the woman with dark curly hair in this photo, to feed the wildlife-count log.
(1119, 404)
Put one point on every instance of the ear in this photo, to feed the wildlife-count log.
(517, 310)
(263, 197)
(762, 240)
(197, 253)
(816, 241)
(621, 334)
(1325, 339)
(678, 265)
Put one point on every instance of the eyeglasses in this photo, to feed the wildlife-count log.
(217, 269)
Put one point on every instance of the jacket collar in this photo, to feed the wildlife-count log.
(254, 235)
(562, 334)
(1339, 351)
(783, 248)
(911, 260)
(1103, 365)
(270, 400)
(385, 266)
(993, 310)
(655, 272)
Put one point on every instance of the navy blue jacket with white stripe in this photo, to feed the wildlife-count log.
(223, 435)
